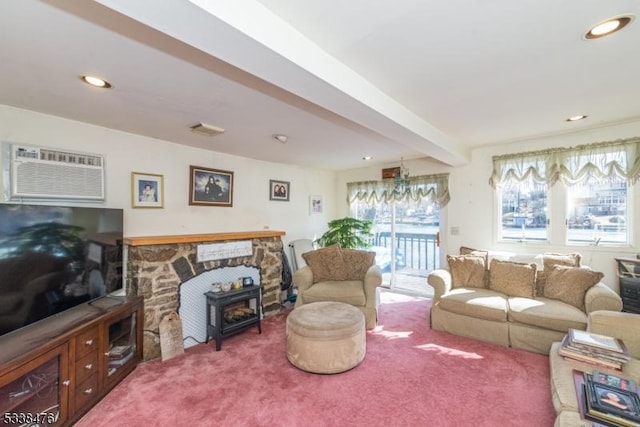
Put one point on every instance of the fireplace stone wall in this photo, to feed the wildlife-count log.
(157, 267)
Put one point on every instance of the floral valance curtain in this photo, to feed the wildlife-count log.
(576, 165)
(434, 188)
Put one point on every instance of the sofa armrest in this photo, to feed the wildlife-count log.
(624, 326)
(372, 280)
(303, 278)
(441, 281)
(602, 297)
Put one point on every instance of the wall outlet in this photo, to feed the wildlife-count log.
(455, 231)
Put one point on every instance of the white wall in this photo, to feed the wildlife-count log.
(125, 153)
(473, 204)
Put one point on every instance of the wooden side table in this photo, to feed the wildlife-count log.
(233, 311)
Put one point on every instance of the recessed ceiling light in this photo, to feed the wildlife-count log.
(576, 118)
(609, 26)
(367, 158)
(280, 137)
(96, 81)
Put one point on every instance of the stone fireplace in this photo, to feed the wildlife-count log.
(157, 266)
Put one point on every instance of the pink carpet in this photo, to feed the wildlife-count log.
(411, 376)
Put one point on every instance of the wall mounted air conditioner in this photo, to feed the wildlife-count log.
(47, 173)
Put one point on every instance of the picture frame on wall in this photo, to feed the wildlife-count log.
(315, 205)
(147, 190)
(210, 187)
(279, 190)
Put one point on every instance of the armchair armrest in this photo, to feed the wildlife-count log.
(602, 297)
(372, 280)
(441, 282)
(303, 278)
(624, 326)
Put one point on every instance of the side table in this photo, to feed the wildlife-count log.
(629, 277)
(233, 311)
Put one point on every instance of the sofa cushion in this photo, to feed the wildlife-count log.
(550, 260)
(466, 271)
(357, 263)
(474, 302)
(326, 263)
(348, 291)
(569, 284)
(512, 278)
(546, 313)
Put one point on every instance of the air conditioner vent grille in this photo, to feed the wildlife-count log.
(47, 173)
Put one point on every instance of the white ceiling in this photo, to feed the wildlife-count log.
(342, 79)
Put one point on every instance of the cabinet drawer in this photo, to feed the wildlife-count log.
(86, 366)
(86, 342)
(86, 391)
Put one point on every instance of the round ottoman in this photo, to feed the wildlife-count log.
(326, 337)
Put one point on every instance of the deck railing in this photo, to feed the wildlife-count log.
(419, 250)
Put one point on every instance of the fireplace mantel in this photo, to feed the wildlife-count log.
(199, 238)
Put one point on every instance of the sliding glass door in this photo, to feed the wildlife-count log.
(405, 239)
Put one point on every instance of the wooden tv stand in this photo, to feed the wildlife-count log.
(54, 371)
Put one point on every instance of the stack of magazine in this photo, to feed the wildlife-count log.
(600, 350)
(611, 400)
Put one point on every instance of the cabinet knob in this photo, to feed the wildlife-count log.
(88, 366)
(88, 391)
(88, 343)
(66, 383)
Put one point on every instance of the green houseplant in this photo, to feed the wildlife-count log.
(350, 233)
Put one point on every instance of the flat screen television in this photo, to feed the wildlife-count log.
(53, 258)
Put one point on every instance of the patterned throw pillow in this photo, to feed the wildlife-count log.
(326, 263)
(467, 271)
(514, 279)
(464, 250)
(550, 260)
(570, 284)
(357, 263)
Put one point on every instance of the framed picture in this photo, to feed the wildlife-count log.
(315, 205)
(279, 190)
(147, 190)
(210, 187)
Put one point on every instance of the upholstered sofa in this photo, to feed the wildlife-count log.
(525, 302)
(624, 326)
(341, 275)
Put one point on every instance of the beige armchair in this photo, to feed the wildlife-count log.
(342, 275)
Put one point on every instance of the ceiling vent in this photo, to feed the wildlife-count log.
(207, 130)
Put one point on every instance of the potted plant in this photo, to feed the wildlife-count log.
(350, 233)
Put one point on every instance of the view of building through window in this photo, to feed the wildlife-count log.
(524, 213)
(597, 213)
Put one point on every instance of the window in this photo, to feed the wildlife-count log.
(524, 213)
(596, 180)
(597, 212)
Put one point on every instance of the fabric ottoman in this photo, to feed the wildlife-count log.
(326, 337)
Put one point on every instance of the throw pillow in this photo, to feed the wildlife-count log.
(326, 263)
(550, 260)
(467, 271)
(357, 263)
(514, 279)
(570, 284)
(464, 250)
